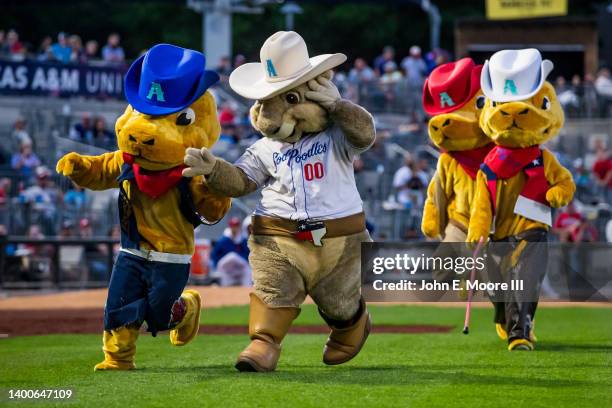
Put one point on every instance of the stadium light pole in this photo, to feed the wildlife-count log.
(433, 13)
(217, 24)
(290, 9)
(434, 23)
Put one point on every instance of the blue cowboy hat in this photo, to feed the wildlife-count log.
(167, 79)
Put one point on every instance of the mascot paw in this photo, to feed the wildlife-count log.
(71, 163)
(430, 230)
(556, 197)
(112, 365)
(200, 162)
(323, 91)
(473, 237)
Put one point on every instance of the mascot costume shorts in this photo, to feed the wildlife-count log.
(170, 110)
(309, 225)
(518, 183)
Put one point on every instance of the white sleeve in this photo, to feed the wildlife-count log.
(401, 177)
(252, 165)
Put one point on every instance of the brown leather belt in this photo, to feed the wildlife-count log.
(338, 227)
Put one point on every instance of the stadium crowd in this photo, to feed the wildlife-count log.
(67, 49)
(393, 175)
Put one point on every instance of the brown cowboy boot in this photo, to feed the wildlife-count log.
(345, 342)
(267, 328)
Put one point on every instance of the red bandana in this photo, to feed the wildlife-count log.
(154, 183)
(505, 162)
(470, 160)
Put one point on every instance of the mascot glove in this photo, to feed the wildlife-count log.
(557, 197)
(324, 92)
(200, 162)
(72, 163)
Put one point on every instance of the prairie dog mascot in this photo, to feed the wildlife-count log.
(519, 181)
(309, 224)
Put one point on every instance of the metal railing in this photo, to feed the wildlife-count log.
(56, 263)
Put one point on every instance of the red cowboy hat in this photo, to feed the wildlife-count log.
(450, 86)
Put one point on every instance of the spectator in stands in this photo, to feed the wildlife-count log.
(582, 178)
(5, 193)
(603, 85)
(102, 137)
(43, 197)
(20, 135)
(361, 72)
(35, 233)
(91, 51)
(590, 99)
(83, 132)
(228, 140)
(112, 52)
(94, 253)
(25, 161)
(566, 95)
(230, 255)
(77, 55)
(61, 51)
(224, 68)
(436, 57)
(391, 74)
(388, 55)
(572, 226)
(75, 198)
(3, 48)
(602, 171)
(45, 51)
(16, 50)
(410, 182)
(239, 59)
(414, 67)
(67, 229)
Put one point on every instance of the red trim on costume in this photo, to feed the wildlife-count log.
(470, 160)
(154, 183)
(506, 162)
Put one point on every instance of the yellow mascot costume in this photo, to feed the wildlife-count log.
(452, 95)
(519, 181)
(170, 110)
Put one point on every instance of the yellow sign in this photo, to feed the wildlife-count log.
(517, 9)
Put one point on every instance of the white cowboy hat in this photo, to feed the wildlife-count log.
(284, 64)
(514, 75)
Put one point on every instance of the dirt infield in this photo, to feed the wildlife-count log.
(88, 321)
(81, 312)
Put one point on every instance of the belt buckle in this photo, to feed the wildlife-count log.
(312, 231)
(148, 254)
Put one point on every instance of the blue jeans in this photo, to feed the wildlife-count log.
(143, 291)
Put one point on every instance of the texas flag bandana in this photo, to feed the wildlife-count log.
(504, 163)
(154, 183)
(470, 160)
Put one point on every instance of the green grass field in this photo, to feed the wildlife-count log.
(571, 367)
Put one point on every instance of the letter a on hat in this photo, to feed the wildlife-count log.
(157, 91)
(509, 86)
(446, 100)
(271, 69)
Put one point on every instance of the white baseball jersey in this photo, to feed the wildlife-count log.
(312, 178)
